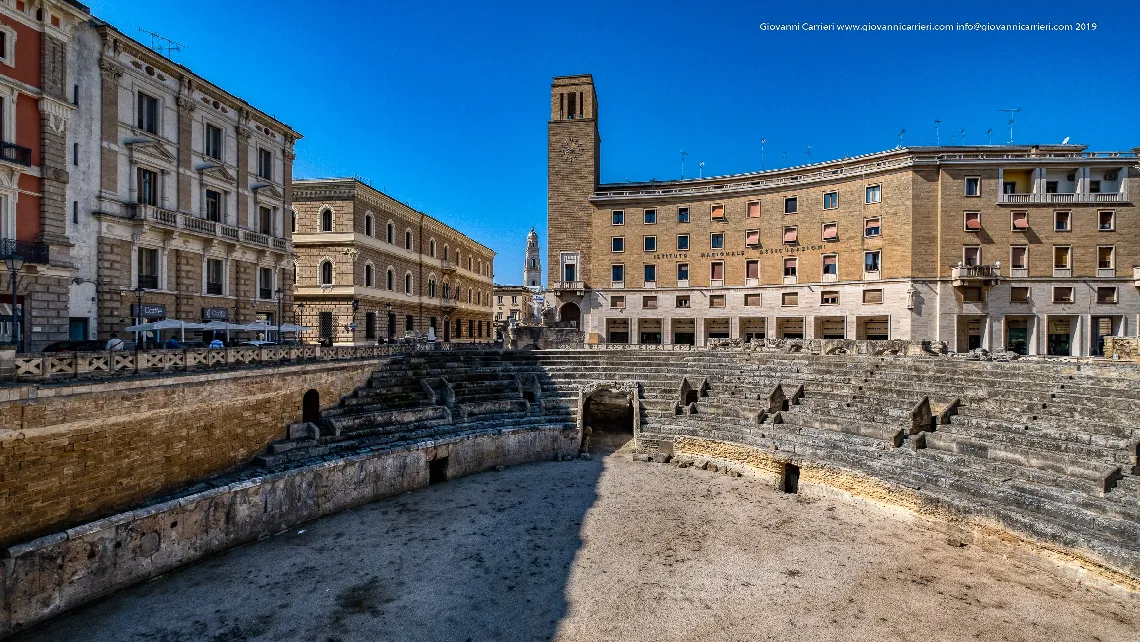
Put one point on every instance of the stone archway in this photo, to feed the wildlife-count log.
(612, 411)
(570, 312)
(311, 407)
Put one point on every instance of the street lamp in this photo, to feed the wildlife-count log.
(279, 294)
(14, 263)
(138, 321)
(388, 320)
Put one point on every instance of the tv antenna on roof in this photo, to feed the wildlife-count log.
(990, 135)
(762, 141)
(962, 133)
(937, 136)
(1011, 112)
(683, 155)
(702, 170)
(901, 132)
(162, 44)
(809, 153)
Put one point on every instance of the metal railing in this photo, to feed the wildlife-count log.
(14, 153)
(974, 272)
(204, 226)
(30, 251)
(1064, 197)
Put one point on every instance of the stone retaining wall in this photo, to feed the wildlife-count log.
(57, 572)
(72, 453)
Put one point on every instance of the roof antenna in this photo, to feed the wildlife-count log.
(683, 155)
(901, 132)
(962, 133)
(809, 153)
(990, 135)
(762, 141)
(1011, 112)
(702, 170)
(161, 44)
(937, 137)
(784, 159)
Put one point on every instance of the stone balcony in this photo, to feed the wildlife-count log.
(974, 275)
(159, 217)
(1062, 198)
(578, 287)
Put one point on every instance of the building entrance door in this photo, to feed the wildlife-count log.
(1060, 342)
(1017, 336)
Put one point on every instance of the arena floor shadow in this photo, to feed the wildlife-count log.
(608, 549)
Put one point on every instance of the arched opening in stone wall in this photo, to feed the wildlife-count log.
(570, 314)
(609, 416)
(311, 407)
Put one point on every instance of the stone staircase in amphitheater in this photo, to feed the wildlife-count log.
(1045, 449)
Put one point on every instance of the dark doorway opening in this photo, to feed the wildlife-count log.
(609, 415)
(311, 407)
(691, 397)
(529, 395)
(571, 314)
(790, 479)
(437, 470)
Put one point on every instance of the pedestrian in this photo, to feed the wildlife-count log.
(172, 344)
(114, 343)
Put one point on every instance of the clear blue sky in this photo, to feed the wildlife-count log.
(444, 105)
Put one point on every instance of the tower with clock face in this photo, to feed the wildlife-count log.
(573, 163)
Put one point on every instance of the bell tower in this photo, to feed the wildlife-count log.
(573, 163)
(532, 271)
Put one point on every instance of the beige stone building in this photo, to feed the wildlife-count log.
(513, 303)
(1030, 248)
(193, 187)
(370, 268)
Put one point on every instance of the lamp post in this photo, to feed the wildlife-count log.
(14, 263)
(388, 321)
(279, 294)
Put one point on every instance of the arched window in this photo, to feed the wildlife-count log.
(391, 238)
(446, 249)
(293, 222)
(431, 248)
(368, 275)
(431, 288)
(391, 280)
(446, 290)
(457, 261)
(407, 284)
(368, 224)
(326, 220)
(326, 273)
(408, 240)
(409, 323)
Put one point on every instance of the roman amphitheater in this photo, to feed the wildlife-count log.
(787, 490)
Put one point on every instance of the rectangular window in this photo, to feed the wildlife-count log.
(871, 227)
(1019, 294)
(872, 296)
(148, 268)
(1050, 187)
(617, 273)
(830, 200)
(752, 300)
(617, 244)
(213, 142)
(683, 301)
(791, 205)
(831, 231)
(75, 154)
(213, 205)
(972, 294)
(682, 215)
(791, 235)
(716, 301)
(753, 209)
(370, 325)
(265, 164)
(325, 323)
(716, 269)
(147, 187)
(1094, 187)
(265, 287)
(1061, 256)
(717, 241)
(682, 271)
(214, 276)
(790, 298)
(650, 273)
(1106, 220)
(871, 261)
(717, 212)
(1106, 257)
(265, 220)
(1019, 221)
(1062, 221)
(752, 269)
(752, 238)
(790, 267)
(649, 302)
(75, 212)
(1018, 257)
(649, 243)
(874, 194)
(148, 113)
(617, 302)
(971, 255)
(973, 221)
(973, 186)
(617, 217)
(831, 264)
(683, 242)
(1009, 187)
(650, 217)
(1062, 294)
(829, 297)
(1106, 295)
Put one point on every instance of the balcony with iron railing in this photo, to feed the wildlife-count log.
(30, 251)
(14, 153)
(155, 215)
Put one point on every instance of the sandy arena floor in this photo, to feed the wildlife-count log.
(607, 550)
